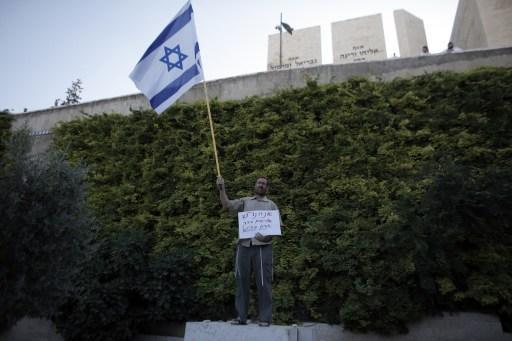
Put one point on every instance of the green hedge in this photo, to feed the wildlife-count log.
(395, 195)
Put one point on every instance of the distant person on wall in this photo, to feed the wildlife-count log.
(424, 51)
(252, 254)
(451, 48)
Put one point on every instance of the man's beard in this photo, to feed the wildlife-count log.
(260, 191)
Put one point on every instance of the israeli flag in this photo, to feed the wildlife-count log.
(172, 63)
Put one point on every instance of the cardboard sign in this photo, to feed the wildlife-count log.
(265, 222)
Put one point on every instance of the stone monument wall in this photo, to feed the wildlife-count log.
(497, 20)
(410, 32)
(358, 40)
(483, 24)
(301, 49)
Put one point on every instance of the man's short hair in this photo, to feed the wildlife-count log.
(264, 177)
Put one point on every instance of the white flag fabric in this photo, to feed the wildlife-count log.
(172, 63)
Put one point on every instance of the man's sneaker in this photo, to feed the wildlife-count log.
(264, 324)
(238, 322)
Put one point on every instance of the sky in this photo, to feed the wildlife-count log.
(46, 45)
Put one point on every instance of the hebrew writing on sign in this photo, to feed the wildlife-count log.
(358, 40)
(301, 49)
(265, 222)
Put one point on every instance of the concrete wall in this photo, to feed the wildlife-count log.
(42, 121)
(266, 83)
(301, 49)
(483, 24)
(358, 40)
(410, 32)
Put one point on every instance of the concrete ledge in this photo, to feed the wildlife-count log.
(462, 326)
(224, 331)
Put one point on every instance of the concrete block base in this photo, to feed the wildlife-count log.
(224, 331)
(461, 326)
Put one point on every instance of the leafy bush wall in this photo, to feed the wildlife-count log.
(396, 196)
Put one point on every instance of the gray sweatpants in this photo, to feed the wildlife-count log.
(258, 258)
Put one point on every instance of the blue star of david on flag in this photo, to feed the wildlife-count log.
(168, 52)
(176, 47)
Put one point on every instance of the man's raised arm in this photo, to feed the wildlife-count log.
(222, 192)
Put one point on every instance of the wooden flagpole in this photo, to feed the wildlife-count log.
(211, 128)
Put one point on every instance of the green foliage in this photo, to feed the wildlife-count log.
(395, 195)
(45, 228)
(123, 285)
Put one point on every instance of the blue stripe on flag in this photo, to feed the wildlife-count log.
(196, 51)
(174, 86)
(171, 29)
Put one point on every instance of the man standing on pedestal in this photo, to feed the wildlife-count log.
(252, 254)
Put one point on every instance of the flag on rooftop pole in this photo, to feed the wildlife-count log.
(172, 63)
(287, 27)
